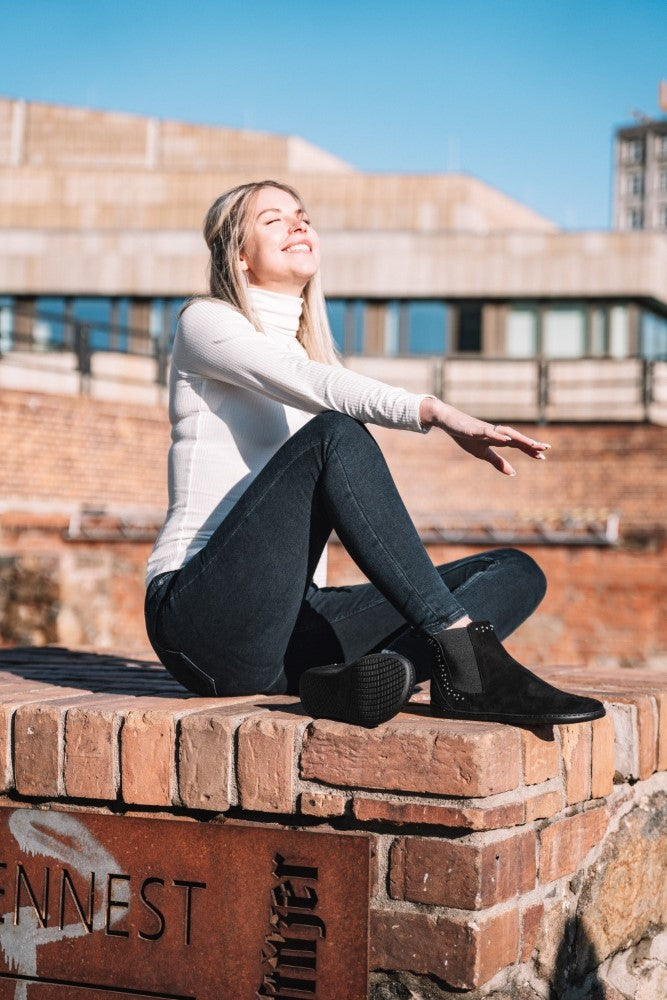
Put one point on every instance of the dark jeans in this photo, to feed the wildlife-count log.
(242, 616)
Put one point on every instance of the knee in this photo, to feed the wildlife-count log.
(335, 427)
(525, 571)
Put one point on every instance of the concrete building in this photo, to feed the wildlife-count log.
(100, 221)
(640, 176)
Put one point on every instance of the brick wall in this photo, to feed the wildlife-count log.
(603, 605)
(496, 849)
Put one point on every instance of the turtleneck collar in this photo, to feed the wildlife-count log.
(277, 312)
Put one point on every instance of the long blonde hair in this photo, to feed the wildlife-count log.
(225, 229)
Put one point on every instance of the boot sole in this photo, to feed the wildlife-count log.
(364, 693)
(545, 719)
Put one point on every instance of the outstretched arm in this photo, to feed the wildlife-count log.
(478, 436)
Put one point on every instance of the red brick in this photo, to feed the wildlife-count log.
(576, 753)
(602, 757)
(565, 844)
(646, 731)
(38, 744)
(91, 766)
(661, 700)
(531, 919)
(442, 757)
(206, 763)
(541, 755)
(465, 954)
(148, 750)
(544, 804)
(468, 876)
(8, 708)
(322, 804)
(486, 816)
(266, 761)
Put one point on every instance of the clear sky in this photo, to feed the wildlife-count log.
(524, 95)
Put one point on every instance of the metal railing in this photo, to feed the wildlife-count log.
(531, 389)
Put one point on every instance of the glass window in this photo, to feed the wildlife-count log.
(633, 151)
(49, 323)
(156, 319)
(564, 332)
(619, 332)
(662, 180)
(336, 315)
(653, 336)
(470, 327)
(598, 332)
(96, 313)
(521, 332)
(662, 216)
(427, 327)
(6, 322)
(661, 145)
(391, 329)
(635, 218)
(634, 183)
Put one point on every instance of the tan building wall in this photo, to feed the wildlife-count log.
(356, 264)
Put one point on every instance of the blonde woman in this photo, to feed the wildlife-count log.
(269, 455)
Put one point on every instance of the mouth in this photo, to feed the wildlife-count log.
(301, 247)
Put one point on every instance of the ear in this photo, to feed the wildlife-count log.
(244, 263)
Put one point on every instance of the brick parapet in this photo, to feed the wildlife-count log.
(476, 827)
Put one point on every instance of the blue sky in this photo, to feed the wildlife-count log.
(524, 95)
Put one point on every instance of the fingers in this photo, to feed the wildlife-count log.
(498, 462)
(511, 438)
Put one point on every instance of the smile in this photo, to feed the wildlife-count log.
(298, 248)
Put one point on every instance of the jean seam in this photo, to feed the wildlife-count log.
(387, 553)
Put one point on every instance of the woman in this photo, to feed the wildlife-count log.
(269, 455)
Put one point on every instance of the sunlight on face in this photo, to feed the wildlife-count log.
(281, 250)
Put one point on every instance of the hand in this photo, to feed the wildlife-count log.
(477, 436)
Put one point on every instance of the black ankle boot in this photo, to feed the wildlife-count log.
(365, 693)
(474, 677)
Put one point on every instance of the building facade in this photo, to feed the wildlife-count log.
(640, 176)
(100, 220)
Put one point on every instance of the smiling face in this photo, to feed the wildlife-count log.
(281, 250)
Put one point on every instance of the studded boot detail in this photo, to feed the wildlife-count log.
(474, 677)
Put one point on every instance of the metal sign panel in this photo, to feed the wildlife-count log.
(99, 906)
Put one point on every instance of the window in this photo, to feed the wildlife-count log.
(427, 327)
(634, 183)
(598, 333)
(6, 322)
(661, 146)
(564, 332)
(619, 332)
(662, 180)
(635, 219)
(521, 336)
(469, 328)
(662, 216)
(95, 312)
(336, 315)
(653, 336)
(633, 151)
(50, 326)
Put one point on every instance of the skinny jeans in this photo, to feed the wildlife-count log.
(242, 616)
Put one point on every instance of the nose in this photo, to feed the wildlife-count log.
(298, 224)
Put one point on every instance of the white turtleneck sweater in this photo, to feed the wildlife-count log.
(235, 396)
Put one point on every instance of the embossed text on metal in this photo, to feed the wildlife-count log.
(116, 906)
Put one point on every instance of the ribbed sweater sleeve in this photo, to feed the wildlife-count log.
(217, 342)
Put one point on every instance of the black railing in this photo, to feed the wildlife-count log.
(541, 389)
